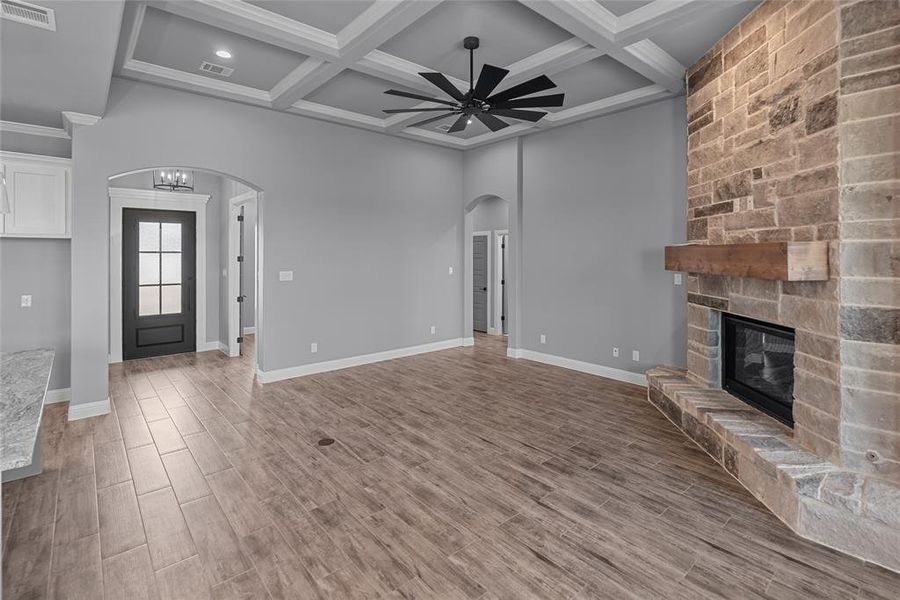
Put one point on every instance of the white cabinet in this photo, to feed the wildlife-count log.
(40, 196)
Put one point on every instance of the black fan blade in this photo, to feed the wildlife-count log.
(489, 78)
(459, 124)
(438, 80)
(419, 97)
(431, 120)
(533, 102)
(532, 86)
(493, 123)
(408, 110)
(525, 115)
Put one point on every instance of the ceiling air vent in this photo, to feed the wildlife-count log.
(214, 69)
(29, 14)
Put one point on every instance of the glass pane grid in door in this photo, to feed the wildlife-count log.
(159, 268)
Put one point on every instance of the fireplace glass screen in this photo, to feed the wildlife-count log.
(758, 365)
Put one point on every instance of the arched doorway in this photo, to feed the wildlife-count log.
(488, 285)
(162, 301)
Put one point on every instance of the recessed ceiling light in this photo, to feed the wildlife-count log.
(223, 53)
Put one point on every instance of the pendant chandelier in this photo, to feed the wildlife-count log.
(174, 179)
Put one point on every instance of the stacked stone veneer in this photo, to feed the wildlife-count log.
(794, 134)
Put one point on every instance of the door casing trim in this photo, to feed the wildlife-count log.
(497, 328)
(248, 197)
(121, 198)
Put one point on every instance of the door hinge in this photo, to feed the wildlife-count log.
(240, 340)
(502, 317)
(240, 259)
(502, 282)
(503, 245)
(240, 217)
(240, 298)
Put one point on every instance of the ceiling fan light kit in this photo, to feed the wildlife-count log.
(478, 102)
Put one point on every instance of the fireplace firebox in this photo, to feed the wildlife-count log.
(758, 365)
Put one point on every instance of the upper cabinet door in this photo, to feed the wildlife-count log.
(38, 200)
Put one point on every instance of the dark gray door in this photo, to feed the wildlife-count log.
(480, 282)
(504, 304)
(158, 292)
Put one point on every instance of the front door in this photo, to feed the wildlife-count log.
(158, 291)
(480, 282)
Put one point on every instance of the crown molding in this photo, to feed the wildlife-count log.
(74, 120)
(36, 130)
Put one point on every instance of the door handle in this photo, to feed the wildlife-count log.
(484, 289)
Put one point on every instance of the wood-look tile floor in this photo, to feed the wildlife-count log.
(456, 474)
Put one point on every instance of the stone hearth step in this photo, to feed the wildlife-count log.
(851, 512)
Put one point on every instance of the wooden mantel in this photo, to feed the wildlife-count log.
(785, 261)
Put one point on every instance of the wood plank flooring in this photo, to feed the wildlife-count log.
(458, 474)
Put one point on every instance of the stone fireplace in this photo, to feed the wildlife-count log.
(794, 135)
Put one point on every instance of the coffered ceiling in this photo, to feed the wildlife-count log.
(333, 59)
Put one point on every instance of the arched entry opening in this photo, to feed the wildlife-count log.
(488, 286)
(175, 282)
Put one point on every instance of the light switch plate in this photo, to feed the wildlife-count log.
(615, 352)
(432, 330)
(26, 301)
(314, 347)
(285, 275)
(635, 355)
(678, 278)
(543, 338)
(450, 270)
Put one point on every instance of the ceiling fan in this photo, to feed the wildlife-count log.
(478, 101)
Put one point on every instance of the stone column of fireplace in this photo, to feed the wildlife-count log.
(794, 135)
(784, 115)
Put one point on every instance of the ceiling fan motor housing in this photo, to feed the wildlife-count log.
(470, 43)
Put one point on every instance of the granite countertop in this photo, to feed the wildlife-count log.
(23, 382)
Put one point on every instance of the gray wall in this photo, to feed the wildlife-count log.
(600, 201)
(367, 222)
(204, 183)
(40, 268)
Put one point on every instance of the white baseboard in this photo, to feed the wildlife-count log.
(249, 330)
(514, 353)
(584, 367)
(354, 361)
(207, 346)
(494, 331)
(60, 395)
(89, 409)
(469, 341)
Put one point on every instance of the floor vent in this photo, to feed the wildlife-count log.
(208, 67)
(29, 14)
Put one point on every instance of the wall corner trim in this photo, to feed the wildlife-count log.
(60, 395)
(584, 367)
(88, 409)
(514, 353)
(73, 120)
(469, 341)
(354, 361)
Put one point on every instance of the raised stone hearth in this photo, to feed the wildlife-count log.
(793, 117)
(820, 501)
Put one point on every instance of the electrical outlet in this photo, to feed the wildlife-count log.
(450, 270)
(26, 301)
(677, 278)
(543, 339)
(285, 275)
(615, 352)
(635, 355)
(433, 329)
(314, 347)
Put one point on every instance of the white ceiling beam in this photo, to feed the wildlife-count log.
(37, 130)
(400, 71)
(257, 23)
(628, 99)
(336, 115)
(657, 16)
(145, 71)
(599, 28)
(379, 23)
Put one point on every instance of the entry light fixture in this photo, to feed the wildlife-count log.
(223, 53)
(173, 179)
